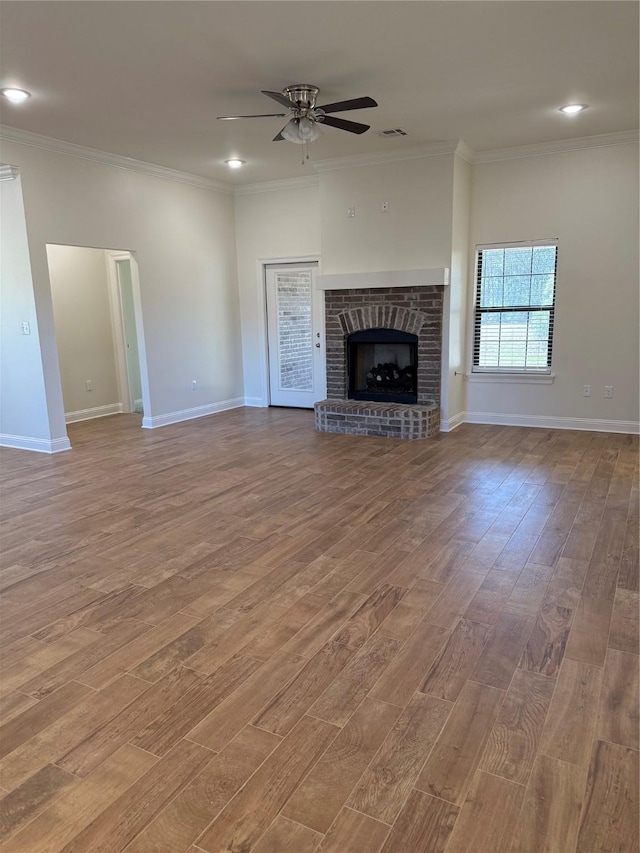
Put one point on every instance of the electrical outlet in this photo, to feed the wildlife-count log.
(608, 391)
(89, 385)
(385, 206)
(26, 328)
(194, 384)
(586, 390)
(351, 212)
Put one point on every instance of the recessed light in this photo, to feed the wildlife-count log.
(573, 109)
(235, 164)
(16, 96)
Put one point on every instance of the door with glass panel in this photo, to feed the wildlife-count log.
(295, 325)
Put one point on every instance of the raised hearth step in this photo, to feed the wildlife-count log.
(388, 420)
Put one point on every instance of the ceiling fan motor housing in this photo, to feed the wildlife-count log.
(302, 95)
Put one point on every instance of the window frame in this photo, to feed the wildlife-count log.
(478, 371)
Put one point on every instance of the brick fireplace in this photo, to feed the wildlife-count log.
(411, 310)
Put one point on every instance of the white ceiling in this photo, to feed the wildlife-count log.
(146, 80)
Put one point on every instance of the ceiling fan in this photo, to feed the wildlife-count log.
(305, 117)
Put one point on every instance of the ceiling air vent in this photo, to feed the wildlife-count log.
(395, 131)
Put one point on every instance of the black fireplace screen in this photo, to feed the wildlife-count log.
(382, 366)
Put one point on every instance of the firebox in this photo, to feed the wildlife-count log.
(382, 366)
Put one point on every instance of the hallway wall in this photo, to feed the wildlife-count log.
(84, 330)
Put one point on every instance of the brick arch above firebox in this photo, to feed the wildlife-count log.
(382, 316)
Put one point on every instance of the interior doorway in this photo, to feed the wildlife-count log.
(99, 335)
(125, 332)
(295, 335)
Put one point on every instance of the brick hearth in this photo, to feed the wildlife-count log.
(389, 420)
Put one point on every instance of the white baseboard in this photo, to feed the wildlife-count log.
(256, 402)
(39, 445)
(452, 423)
(551, 422)
(190, 414)
(95, 412)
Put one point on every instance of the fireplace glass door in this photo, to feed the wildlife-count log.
(382, 366)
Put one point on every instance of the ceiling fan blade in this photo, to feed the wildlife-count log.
(343, 124)
(277, 96)
(279, 137)
(259, 115)
(353, 104)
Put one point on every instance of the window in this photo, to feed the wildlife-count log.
(515, 298)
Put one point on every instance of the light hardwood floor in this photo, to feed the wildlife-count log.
(237, 635)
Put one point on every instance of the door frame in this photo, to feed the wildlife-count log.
(261, 279)
(319, 361)
(122, 373)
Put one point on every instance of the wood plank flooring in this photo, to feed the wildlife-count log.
(237, 635)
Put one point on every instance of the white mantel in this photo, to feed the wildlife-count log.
(388, 278)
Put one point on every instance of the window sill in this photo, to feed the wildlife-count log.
(515, 378)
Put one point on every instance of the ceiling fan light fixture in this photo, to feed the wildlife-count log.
(300, 130)
(291, 132)
(309, 129)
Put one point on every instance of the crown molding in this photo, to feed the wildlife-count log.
(433, 149)
(59, 146)
(8, 173)
(465, 152)
(457, 147)
(274, 186)
(450, 147)
(603, 140)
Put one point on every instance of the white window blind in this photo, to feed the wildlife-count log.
(515, 300)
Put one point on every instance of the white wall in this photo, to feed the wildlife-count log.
(457, 300)
(198, 250)
(269, 225)
(182, 237)
(415, 233)
(24, 419)
(311, 221)
(588, 199)
(84, 331)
